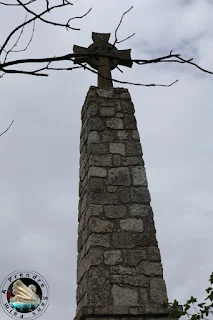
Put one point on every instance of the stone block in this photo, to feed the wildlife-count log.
(124, 195)
(97, 184)
(124, 296)
(122, 134)
(119, 176)
(135, 135)
(129, 122)
(115, 278)
(92, 109)
(139, 176)
(157, 290)
(95, 256)
(82, 268)
(103, 198)
(112, 257)
(100, 160)
(138, 280)
(98, 148)
(116, 160)
(140, 210)
(97, 172)
(83, 204)
(99, 286)
(125, 95)
(106, 93)
(123, 240)
(134, 256)
(140, 195)
(123, 270)
(144, 297)
(114, 212)
(132, 161)
(117, 148)
(119, 115)
(107, 111)
(145, 240)
(112, 189)
(133, 149)
(108, 135)
(127, 107)
(97, 225)
(100, 240)
(150, 268)
(131, 225)
(95, 123)
(114, 123)
(154, 254)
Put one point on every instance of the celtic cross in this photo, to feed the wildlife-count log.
(102, 56)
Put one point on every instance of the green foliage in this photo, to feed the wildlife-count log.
(200, 310)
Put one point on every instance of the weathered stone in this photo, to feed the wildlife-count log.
(127, 107)
(124, 195)
(95, 210)
(132, 225)
(138, 281)
(108, 135)
(103, 198)
(92, 109)
(114, 123)
(97, 172)
(133, 149)
(132, 257)
(119, 176)
(107, 111)
(116, 160)
(114, 212)
(122, 134)
(129, 122)
(99, 286)
(150, 268)
(125, 95)
(111, 188)
(122, 270)
(123, 240)
(82, 268)
(124, 296)
(157, 290)
(145, 240)
(98, 148)
(93, 137)
(115, 278)
(144, 296)
(97, 225)
(95, 123)
(97, 184)
(140, 210)
(154, 254)
(139, 176)
(83, 203)
(112, 257)
(117, 148)
(100, 160)
(140, 195)
(106, 93)
(135, 135)
(132, 161)
(101, 240)
(119, 115)
(95, 256)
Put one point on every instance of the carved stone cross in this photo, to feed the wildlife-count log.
(107, 57)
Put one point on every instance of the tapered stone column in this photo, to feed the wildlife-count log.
(119, 270)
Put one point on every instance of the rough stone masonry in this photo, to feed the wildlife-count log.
(119, 272)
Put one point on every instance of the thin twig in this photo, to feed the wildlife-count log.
(1, 134)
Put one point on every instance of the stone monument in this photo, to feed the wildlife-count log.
(119, 270)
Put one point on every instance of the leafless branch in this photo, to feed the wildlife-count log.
(16, 4)
(1, 134)
(118, 26)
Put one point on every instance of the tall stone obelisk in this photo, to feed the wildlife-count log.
(119, 271)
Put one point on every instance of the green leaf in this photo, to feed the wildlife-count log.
(201, 304)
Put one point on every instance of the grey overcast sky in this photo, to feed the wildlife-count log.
(40, 153)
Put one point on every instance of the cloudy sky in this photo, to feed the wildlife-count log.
(40, 152)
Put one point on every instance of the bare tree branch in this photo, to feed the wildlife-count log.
(1, 134)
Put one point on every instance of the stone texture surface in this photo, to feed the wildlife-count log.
(119, 269)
